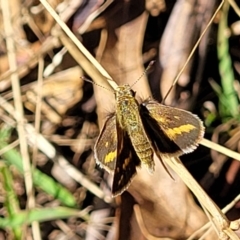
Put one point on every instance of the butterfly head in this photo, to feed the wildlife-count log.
(124, 91)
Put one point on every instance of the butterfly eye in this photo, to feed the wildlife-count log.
(133, 93)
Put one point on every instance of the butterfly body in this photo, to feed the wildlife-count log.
(129, 119)
(135, 131)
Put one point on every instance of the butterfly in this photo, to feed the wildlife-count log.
(136, 131)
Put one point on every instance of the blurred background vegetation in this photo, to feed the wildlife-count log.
(50, 186)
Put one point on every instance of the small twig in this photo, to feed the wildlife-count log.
(231, 204)
(218, 217)
(193, 50)
(205, 229)
(221, 149)
(86, 55)
(38, 106)
(207, 226)
(9, 147)
(235, 7)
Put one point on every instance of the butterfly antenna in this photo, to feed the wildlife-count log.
(144, 72)
(88, 80)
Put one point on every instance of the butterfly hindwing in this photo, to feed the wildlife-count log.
(114, 152)
(172, 130)
(126, 163)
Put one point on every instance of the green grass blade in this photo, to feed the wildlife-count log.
(41, 215)
(228, 104)
(11, 202)
(40, 179)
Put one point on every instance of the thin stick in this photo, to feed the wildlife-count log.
(207, 226)
(221, 149)
(38, 106)
(193, 50)
(218, 217)
(77, 43)
(235, 7)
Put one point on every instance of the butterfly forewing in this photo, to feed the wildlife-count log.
(173, 130)
(105, 149)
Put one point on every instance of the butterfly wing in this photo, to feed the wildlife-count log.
(127, 161)
(105, 149)
(173, 131)
(115, 153)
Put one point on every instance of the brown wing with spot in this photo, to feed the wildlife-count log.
(127, 161)
(115, 153)
(105, 149)
(173, 131)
